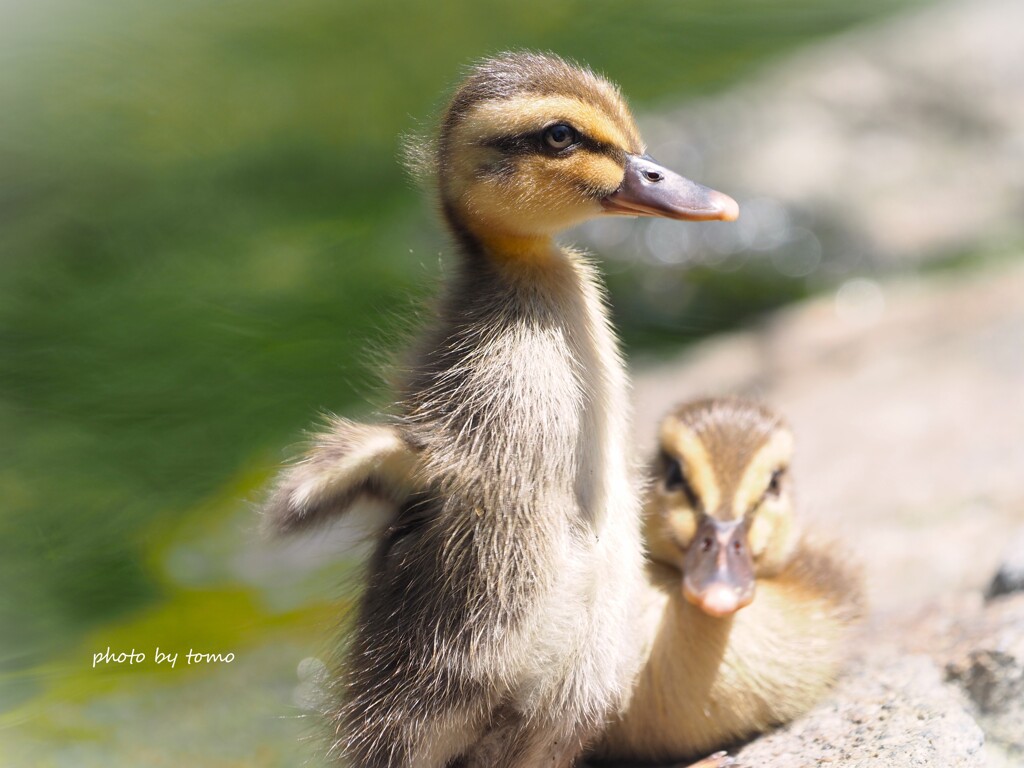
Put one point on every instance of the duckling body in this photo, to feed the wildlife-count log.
(720, 669)
(496, 627)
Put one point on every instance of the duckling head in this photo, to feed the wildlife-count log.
(530, 145)
(721, 509)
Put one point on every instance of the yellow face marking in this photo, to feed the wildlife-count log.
(599, 170)
(773, 455)
(526, 113)
(668, 531)
(684, 443)
(683, 524)
(772, 533)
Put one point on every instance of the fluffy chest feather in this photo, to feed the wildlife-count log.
(521, 399)
(522, 386)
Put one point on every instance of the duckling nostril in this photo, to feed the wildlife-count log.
(653, 176)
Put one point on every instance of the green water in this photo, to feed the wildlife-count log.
(206, 240)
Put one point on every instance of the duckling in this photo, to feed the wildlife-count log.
(721, 534)
(495, 627)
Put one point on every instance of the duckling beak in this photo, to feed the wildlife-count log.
(649, 189)
(718, 573)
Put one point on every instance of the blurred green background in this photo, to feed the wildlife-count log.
(206, 239)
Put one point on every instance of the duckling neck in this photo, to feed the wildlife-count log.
(504, 247)
(513, 249)
(519, 396)
(523, 372)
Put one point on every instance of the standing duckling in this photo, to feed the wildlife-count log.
(745, 619)
(496, 627)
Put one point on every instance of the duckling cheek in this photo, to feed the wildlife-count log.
(531, 196)
(499, 208)
(760, 533)
(558, 188)
(683, 524)
(771, 538)
(574, 187)
(599, 172)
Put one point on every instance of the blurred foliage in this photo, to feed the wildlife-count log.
(203, 228)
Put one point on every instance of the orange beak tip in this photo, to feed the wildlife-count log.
(728, 209)
(719, 601)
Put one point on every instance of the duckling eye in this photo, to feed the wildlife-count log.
(775, 484)
(560, 136)
(674, 480)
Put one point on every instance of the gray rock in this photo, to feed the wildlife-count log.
(988, 663)
(889, 711)
(1010, 576)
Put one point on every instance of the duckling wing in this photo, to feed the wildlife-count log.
(346, 462)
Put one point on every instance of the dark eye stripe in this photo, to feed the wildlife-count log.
(775, 483)
(675, 479)
(534, 143)
(519, 144)
(773, 490)
(603, 148)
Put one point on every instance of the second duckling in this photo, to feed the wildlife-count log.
(721, 533)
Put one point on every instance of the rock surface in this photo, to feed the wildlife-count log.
(987, 660)
(962, 704)
(887, 712)
(1010, 577)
